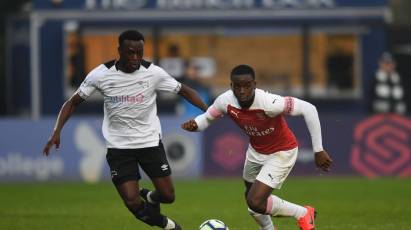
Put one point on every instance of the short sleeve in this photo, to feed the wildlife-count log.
(89, 85)
(167, 82)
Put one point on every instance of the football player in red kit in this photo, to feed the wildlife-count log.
(273, 148)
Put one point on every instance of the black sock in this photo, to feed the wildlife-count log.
(149, 216)
(155, 196)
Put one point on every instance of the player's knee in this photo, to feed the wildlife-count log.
(132, 203)
(256, 204)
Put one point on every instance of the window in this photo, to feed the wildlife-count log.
(334, 65)
(276, 55)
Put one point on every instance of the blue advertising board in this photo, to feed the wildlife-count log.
(81, 156)
(201, 4)
(373, 146)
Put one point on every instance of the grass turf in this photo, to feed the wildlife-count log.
(342, 203)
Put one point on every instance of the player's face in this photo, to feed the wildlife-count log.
(243, 87)
(131, 53)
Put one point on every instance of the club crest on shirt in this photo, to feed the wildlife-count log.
(143, 84)
(260, 115)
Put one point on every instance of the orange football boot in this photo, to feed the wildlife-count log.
(307, 222)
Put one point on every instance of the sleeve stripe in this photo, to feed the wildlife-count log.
(214, 112)
(288, 105)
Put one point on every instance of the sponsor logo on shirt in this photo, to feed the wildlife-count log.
(253, 131)
(137, 99)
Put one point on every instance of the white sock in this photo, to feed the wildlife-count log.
(264, 221)
(279, 207)
(170, 224)
(149, 198)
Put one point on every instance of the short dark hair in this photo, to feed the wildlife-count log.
(387, 57)
(241, 70)
(133, 35)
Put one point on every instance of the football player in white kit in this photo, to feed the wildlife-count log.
(131, 126)
(273, 148)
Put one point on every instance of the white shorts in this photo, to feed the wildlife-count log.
(273, 170)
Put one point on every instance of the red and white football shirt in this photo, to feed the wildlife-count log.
(263, 122)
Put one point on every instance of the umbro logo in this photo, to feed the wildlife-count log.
(113, 173)
(164, 167)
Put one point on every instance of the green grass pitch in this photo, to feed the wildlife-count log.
(342, 203)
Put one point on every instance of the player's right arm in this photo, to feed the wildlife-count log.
(65, 113)
(87, 87)
(201, 122)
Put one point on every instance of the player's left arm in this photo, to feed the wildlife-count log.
(167, 83)
(192, 96)
(295, 107)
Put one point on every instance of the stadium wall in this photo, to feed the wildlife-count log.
(373, 146)
(48, 18)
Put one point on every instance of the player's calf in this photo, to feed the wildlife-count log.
(166, 196)
(256, 204)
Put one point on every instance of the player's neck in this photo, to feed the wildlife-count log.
(247, 104)
(121, 65)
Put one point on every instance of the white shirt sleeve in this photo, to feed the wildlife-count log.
(215, 111)
(166, 82)
(89, 85)
(295, 107)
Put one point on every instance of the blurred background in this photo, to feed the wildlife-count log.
(351, 58)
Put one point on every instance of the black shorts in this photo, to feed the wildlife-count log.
(124, 163)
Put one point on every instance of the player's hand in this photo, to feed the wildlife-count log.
(190, 125)
(323, 161)
(54, 140)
